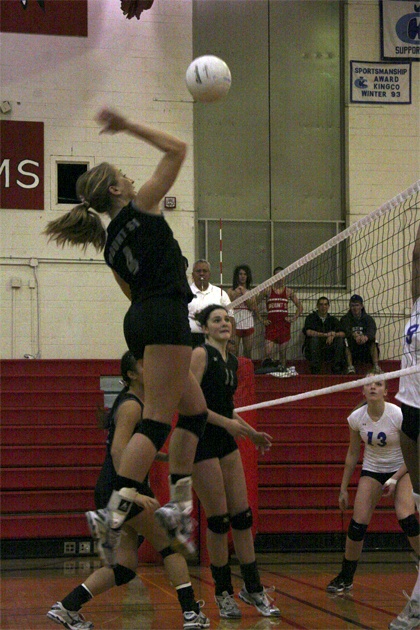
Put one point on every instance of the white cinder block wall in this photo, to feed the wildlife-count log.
(139, 67)
(68, 305)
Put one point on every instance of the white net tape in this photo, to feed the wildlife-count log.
(332, 389)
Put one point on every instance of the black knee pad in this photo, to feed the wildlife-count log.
(356, 531)
(219, 524)
(410, 525)
(167, 551)
(123, 575)
(157, 432)
(193, 424)
(243, 520)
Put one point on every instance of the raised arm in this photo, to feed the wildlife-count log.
(155, 188)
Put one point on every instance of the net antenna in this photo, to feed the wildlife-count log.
(371, 258)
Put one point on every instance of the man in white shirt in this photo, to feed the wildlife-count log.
(204, 295)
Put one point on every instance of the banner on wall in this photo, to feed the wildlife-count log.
(21, 165)
(44, 17)
(380, 82)
(400, 29)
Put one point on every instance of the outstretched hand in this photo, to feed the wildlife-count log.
(263, 441)
(111, 121)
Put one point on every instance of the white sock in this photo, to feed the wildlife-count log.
(181, 492)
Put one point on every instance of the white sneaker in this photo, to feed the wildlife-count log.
(261, 601)
(193, 620)
(99, 522)
(71, 620)
(228, 608)
(179, 526)
(409, 618)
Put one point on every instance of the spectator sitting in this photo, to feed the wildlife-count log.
(323, 339)
(204, 295)
(360, 331)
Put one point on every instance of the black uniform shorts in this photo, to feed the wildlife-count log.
(157, 320)
(411, 421)
(216, 442)
(381, 477)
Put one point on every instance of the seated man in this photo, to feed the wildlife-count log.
(360, 331)
(324, 340)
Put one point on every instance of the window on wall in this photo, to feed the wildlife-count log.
(65, 170)
(67, 176)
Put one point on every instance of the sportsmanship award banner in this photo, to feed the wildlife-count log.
(380, 82)
(400, 29)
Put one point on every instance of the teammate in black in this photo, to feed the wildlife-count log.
(121, 421)
(148, 265)
(218, 475)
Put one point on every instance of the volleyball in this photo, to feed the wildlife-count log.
(208, 78)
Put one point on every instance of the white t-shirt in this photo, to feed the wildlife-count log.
(212, 295)
(382, 438)
(409, 391)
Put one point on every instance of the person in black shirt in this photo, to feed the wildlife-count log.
(147, 264)
(218, 475)
(324, 340)
(360, 331)
(121, 422)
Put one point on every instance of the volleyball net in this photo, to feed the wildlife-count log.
(372, 258)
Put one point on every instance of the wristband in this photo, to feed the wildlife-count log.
(390, 482)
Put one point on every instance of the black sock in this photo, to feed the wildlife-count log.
(186, 598)
(348, 569)
(222, 579)
(251, 577)
(76, 599)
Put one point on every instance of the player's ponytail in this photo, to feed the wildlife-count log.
(81, 226)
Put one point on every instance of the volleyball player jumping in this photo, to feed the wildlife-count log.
(147, 263)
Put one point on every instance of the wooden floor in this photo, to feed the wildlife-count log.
(30, 587)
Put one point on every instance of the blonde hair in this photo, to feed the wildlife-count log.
(80, 226)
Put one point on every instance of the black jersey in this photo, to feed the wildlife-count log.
(108, 475)
(141, 248)
(219, 381)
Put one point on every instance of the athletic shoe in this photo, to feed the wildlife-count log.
(193, 620)
(261, 601)
(351, 369)
(409, 618)
(228, 608)
(376, 369)
(179, 526)
(108, 539)
(339, 584)
(71, 620)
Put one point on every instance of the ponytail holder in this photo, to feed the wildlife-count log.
(390, 482)
(85, 203)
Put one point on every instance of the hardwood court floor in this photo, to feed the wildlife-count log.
(30, 587)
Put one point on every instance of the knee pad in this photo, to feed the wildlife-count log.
(123, 575)
(167, 551)
(243, 520)
(157, 432)
(219, 524)
(193, 424)
(356, 531)
(410, 525)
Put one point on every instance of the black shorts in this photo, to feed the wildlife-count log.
(381, 477)
(156, 321)
(216, 442)
(411, 421)
(106, 484)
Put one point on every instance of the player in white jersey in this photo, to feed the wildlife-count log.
(409, 396)
(384, 473)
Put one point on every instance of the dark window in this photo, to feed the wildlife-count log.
(67, 176)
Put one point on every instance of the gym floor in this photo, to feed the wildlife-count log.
(29, 587)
